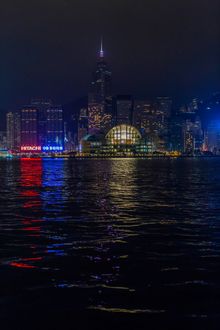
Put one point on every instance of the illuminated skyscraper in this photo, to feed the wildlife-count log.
(213, 136)
(42, 127)
(29, 130)
(42, 105)
(164, 106)
(152, 120)
(54, 130)
(124, 109)
(13, 131)
(100, 98)
(10, 130)
(143, 112)
(82, 124)
(3, 140)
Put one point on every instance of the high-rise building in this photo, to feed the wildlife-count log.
(175, 133)
(42, 105)
(29, 130)
(82, 124)
(13, 131)
(3, 140)
(143, 112)
(124, 109)
(54, 138)
(69, 145)
(164, 105)
(42, 127)
(151, 122)
(100, 96)
(213, 136)
(193, 138)
(10, 130)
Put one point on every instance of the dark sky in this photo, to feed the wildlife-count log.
(154, 47)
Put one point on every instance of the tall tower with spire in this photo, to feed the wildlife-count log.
(101, 53)
(100, 95)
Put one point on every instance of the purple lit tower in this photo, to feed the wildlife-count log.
(100, 96)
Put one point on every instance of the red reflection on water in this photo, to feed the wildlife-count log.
(32, 259)
(30, 221)
(21, 265)
(31, 204)
(30, 193)
(30, 183)
(31, 175)
(32, 229)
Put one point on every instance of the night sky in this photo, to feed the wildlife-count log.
(154, 47)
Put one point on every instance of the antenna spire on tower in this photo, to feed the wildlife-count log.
(101, 49)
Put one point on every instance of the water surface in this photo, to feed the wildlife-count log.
(104, 244)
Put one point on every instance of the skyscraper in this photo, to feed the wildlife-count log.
(29, 130)
(213, 136)
(10, 130)
(82, 124)
(54, 138)
(100, 98)
(143, 111)
(164, 105)
(13, 131)
(3, 140)
(124, 109)
(42, 105)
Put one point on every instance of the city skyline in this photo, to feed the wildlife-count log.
(109, 164)
(110, 124)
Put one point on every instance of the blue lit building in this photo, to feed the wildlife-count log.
(54, 130)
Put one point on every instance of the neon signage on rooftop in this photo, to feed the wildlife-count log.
(52, 148)
(31, 148)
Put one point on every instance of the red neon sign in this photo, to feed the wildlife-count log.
(30, 148)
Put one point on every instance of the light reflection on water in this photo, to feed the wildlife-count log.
(127, 232)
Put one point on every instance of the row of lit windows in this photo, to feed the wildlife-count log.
(28, 132)
(29, 110)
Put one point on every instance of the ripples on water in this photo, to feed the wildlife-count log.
(112, 243)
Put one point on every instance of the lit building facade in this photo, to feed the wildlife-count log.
(193, 137)
(3, 140)
(152, 123)
(13, 122)
(10, 130)
(121, 140)
(123, 135)
(54, 138)
(164, 105)
(100, 97)
(29, 130)
(42, 128)
(213, 136)
(82, 124)
(42, 105)
(124, 109)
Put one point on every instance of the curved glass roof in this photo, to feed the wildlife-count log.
(92, 137)
(123, 134)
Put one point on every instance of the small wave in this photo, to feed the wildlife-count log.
(125, 310)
